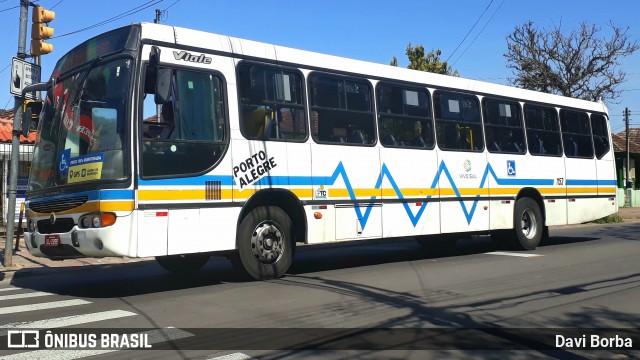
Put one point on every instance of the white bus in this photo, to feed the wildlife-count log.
(174, 143)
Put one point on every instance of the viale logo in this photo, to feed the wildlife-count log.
(183, 55)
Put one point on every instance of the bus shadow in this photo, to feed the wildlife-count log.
(146, 277)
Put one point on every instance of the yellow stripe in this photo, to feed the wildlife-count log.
(149, 195)
(582, 190)
(464, 192)
(411, 192)
(604, 190)
(357, 192)
(125, 205)
(200, 195)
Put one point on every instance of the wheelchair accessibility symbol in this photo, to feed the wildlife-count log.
(511, 167)
(63, 166)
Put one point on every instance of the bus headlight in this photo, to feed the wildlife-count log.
(97, 220)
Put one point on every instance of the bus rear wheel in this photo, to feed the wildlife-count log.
(183, 263)
(528, 223)
(265, 243)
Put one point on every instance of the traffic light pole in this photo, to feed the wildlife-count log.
(15, 142)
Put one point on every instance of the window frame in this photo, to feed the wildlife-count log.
(563, 132)
(606, 135)
(372, 107)
(522, 126)
(406, 87)
(139, 138)
(303, 89)
(474, 96)
(526, 127)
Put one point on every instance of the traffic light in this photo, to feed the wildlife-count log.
(40, 32)
(30, 115)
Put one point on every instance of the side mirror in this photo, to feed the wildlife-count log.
(163, 86)
(161, 76)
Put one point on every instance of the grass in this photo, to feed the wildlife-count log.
(609, 219)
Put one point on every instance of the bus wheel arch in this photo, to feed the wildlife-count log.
(529, 219)
(269, 225)
(283, 199)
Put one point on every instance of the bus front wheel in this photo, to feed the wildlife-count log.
(265, 243)
(184, 263)
(528, 223)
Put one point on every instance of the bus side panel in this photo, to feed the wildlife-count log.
(409, 174)
(152, 232)
(606, 171)
(582, 190)
(348, 174)
(504, 188)
(464, 202)
(547, 175)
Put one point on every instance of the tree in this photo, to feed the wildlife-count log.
(430, 63)
(579, 64)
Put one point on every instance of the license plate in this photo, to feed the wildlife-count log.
(51, 240)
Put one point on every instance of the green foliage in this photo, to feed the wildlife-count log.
(610, 219)
(429, 62)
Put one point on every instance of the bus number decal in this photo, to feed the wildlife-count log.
(253, 168)
(560, 181)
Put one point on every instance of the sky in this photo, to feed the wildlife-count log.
(471, 34)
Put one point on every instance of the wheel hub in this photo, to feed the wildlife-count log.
(267, 243)
(529, 224)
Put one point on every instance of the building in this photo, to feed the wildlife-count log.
(26, 151)
(620, 150)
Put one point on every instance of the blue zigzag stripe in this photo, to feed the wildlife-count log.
(468, 213)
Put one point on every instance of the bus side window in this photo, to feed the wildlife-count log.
(543, 132)
(458, 125)
(503, 126)
(272, 103)
(600, 135)
(404, 116)
(342, 110)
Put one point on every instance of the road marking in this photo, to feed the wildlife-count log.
(234, 356)
(42, 306)
(155, 337)
(66, 321)
(24, 296)
(9, 288)
(507, 253)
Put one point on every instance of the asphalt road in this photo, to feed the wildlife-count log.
(585, 277)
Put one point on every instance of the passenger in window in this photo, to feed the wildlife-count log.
(418, 141)
(510, 143)
(169, 131)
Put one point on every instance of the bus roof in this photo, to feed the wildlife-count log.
(206, 41)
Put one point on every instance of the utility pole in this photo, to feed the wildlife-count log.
(158, 15)
(627, 185)
(15, 141)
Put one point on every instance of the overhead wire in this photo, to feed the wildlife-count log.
(480, 32)
(11, 8)
(5, 68)
(470, 30)
(135, 10)
(58, 3)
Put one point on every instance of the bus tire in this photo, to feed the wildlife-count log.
(265, 243)
(183, 263)
(528, 223)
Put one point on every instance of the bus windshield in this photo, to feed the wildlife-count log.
(82, 128)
